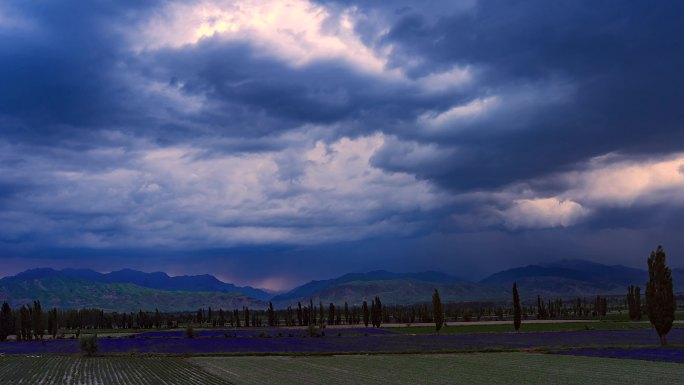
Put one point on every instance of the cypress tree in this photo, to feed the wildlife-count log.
(630, 302)
(364, 310)
(377, 314)
(271, 315)
(38, 329)
(299, 313)
(331, 314)
(50, 321)
(290, 317)
(437, 310)
(346, 314)
(236, 317)
(25, 322)
(246, 316)
(637, 304)
(516, 307)
(55, 324)
(312, 310)
(157, 319)
(6, 321)
(222, 318)
(660, 300)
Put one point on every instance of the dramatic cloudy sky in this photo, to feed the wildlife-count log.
(272, 142)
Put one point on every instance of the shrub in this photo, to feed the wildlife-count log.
(88, 344)
(312, 330)
(189, 332)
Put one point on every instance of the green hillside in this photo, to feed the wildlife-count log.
(401, 291)
(63, 292)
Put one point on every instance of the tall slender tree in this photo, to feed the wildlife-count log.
(271, 315)
(331, 313)
(660, 300)
(376, 315)
(246, 316)
(6, 321)
(516, 308)
(157, 321)
(38, 329)
(321, 314)
(364, 311)
(236, 318)
(289, 320)
(53, 327)
(437, 310)
(222, 318)
(630, 302)
(24, 331)
(637, 304)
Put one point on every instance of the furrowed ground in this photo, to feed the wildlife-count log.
(475, 368)
(69, 370)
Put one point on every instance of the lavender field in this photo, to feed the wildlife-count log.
(348, 341)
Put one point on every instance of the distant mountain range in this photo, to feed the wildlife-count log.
(130, 290)
(126, 290)
(71, 292)
(565, 278)
(157, 280)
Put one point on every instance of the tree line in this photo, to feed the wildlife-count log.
(660, 299)
(30, 322)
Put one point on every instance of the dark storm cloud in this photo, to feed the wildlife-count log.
(486, 113)
(621, 61)
(59, 66)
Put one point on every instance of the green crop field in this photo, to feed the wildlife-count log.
(455, 328)
(67, 370)
(480, 368)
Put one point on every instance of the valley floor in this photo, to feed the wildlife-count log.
(460, 368)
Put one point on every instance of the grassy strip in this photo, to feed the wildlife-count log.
(528, 327)
(472, 369)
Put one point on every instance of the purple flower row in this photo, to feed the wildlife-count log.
(359, 344)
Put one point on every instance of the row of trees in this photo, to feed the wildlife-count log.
(30, 322)
(27, 322)
(660, 299)
(634, 303)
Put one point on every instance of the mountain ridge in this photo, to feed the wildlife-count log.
(154, 280)
(563, 278)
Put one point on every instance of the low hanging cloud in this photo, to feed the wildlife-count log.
(543, 213)
(608, 182)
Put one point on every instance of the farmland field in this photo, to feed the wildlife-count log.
(66, 370)
(652, 354)
(479, 368)
(350, 342)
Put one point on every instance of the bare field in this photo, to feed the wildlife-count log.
(67, 370)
